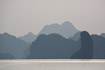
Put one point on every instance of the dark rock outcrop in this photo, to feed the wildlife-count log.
(86, 50)
(53, 46)
(99, 47)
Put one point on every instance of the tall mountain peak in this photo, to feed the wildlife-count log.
(67, 23)
(66, 29)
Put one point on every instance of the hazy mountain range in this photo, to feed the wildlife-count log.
(66, 30)
(55, 46)
(29, 38)
(11, 45)
(53, 42)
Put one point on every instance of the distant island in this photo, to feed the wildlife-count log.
(53, 42)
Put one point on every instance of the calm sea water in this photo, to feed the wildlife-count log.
(52, 64)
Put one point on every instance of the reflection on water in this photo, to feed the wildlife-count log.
(50, 64)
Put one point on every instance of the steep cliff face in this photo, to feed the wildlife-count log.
(86, 46)
(86, 50)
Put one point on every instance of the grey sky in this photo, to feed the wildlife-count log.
(18, 17)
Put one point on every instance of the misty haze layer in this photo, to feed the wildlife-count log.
(18, 17)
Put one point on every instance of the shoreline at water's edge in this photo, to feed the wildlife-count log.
(57, 60)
